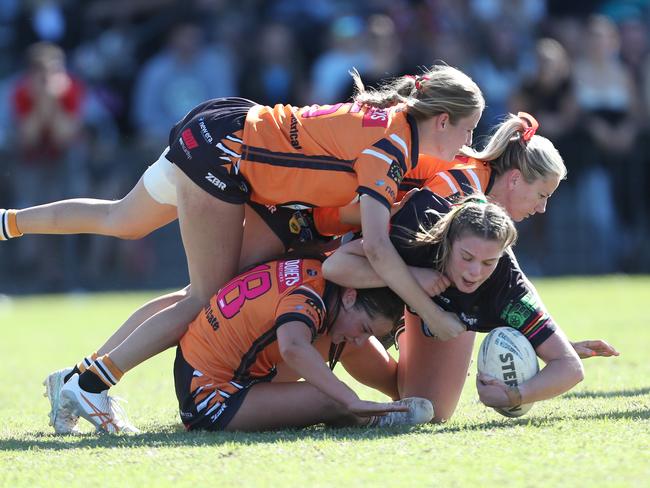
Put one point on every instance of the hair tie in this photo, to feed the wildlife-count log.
(532, 123)
(418, 80)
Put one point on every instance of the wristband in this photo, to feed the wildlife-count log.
(514, 395)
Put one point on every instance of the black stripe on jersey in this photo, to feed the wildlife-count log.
(241, 374)
(390, 148)
(466, 187)
(293, 160)
(364, 190)
(415, 142)
(410, 183)
(314, 299)
(297, 317)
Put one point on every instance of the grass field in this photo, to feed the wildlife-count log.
(596, 435)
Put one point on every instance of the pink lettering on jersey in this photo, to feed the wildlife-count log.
(188, 139)
(375, 117)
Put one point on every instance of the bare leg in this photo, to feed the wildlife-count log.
(433, 369)
(260, 242)
(132, 217)
(212, 235)
(139, 316)
(270, 406)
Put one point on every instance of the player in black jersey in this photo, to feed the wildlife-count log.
(466, 246)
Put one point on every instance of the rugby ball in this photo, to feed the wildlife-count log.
(506, 355)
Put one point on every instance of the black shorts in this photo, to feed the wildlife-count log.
(193, 419)
(292, 227)
(205, 146)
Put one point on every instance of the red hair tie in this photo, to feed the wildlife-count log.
(532, 123)
(418, 80)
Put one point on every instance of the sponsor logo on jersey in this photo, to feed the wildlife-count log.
(188, 139)
(395, 172)
(375, 117)
(188, 155)
(215, 181)
(204, 131)
(468, 319)
(212, 320)
(390, 192)
(293, 132)
(380, 182)
(516, 314)
(289, 274)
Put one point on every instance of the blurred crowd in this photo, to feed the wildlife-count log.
(89, 90)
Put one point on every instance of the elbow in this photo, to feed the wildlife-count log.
(289, 352)
(375, 249)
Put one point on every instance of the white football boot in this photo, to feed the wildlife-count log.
(64, 422)
(420, 412)
(100, 409)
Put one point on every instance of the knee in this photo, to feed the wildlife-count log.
(122, 225)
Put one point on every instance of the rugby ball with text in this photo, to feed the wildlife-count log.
(506, 355)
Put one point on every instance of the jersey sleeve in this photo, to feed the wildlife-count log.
(302, 305)
(381, 167)
(520, 307)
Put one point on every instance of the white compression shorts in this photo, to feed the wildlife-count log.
(159, 180)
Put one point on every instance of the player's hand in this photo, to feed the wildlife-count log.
(491, 391)
(445, 326)
(364, 408)
(593, 348)
(433, 282)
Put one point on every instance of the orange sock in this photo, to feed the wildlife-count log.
(106, 370)
(8, 225)
(86, 362)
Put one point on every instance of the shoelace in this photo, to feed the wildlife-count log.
(120, 418)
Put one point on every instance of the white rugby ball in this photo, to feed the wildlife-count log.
(506, 355)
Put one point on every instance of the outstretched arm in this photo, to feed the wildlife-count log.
(294, 341)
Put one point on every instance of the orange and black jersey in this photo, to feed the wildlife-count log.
(463, 176)
(460, 177)
(232, 343)
(506, 298)
(323, 156)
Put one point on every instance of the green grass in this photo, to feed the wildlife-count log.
(596, 435)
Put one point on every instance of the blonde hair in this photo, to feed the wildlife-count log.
(506, 149)
(474, 216)
(441, 89)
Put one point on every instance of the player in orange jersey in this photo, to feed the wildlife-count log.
(269, 314)
(228, 151)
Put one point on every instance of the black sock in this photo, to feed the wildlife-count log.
(92, 383)
(75, 370)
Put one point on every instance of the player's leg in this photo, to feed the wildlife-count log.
(260, 243)
(150, 205)
(371, 365)
(269, 406)
(431, 368)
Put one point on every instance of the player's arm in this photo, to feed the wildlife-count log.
(563, 370)
(393, 271)
(348, 266)
(593, 348)
(294, 341)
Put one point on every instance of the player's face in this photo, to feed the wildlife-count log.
(472, 261)
(442, 139)
(354, 326)
(527, 199)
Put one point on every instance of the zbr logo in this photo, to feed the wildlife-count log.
(215, 181)
(188, 139)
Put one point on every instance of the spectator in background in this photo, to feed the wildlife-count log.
(347, 49)
(185, 73)
(610, 120)
(46, 104)
(549, 94)
(275, 69)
